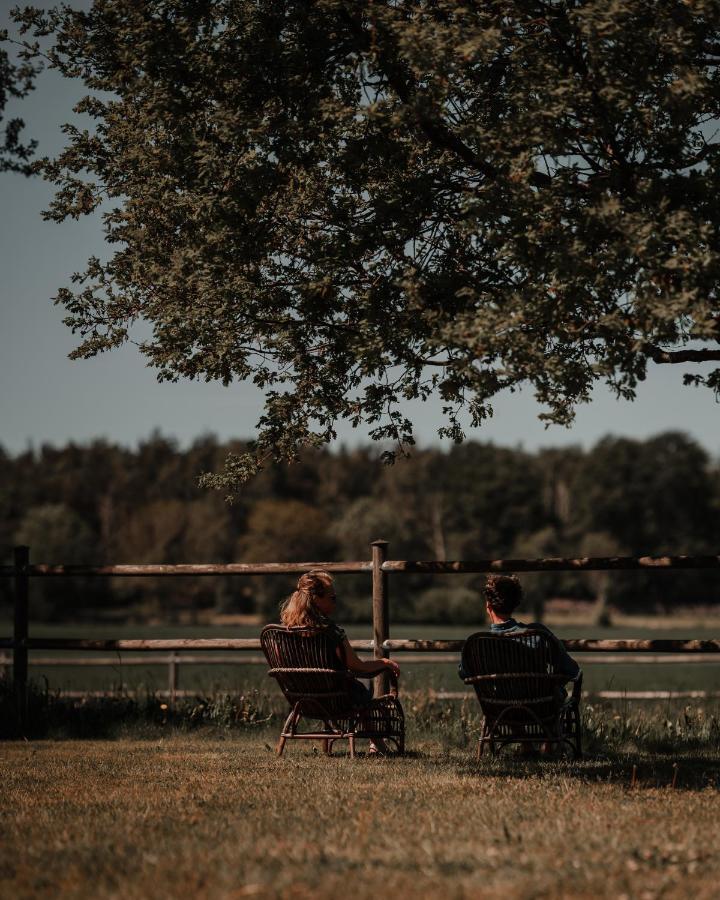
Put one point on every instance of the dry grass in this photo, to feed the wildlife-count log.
(193, 816)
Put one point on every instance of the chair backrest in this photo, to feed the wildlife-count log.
(519, 669)
(305, 664)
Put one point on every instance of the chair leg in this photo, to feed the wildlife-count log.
(573, 731)
(289, 725)
(484, 738)
(578, 736)
(326, 747)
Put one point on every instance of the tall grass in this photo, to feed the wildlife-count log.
(50, 715)
(621, 727)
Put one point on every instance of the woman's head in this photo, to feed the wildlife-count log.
(503, 594)
(313, 598)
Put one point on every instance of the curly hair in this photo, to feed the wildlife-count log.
(503, 593)
(299, 609)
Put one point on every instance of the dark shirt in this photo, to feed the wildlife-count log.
(566, 664)
(361, 695)
(337, 638)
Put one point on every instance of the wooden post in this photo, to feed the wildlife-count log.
(172, 679)
(380, 610)
(21, 558)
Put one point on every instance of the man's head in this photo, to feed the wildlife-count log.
(503, 595)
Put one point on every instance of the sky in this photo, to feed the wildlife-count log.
(47, 398)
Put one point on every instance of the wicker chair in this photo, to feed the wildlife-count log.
(305, 665)
(520, 690)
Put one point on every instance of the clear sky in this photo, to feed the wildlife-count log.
(47, 398)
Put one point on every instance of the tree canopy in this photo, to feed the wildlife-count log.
(357, 205)
(16, 82)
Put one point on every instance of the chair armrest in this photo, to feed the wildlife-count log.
(576, 687)
(393, 683)
(392, 678)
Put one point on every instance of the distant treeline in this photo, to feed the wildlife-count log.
(104, 503)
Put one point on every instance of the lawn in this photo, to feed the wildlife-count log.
(216, 814)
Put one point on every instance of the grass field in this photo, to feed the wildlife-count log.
(220, 816)
(195, 803)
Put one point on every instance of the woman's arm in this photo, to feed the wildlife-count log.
(368, 667)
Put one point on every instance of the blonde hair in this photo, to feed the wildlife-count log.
(299, 609)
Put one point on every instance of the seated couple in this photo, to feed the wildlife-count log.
(314, 601)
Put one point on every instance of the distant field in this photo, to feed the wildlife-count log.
(187, 816)
(665, 676)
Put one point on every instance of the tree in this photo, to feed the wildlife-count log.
(539, 586)
(358, 205)
(600, 544)
(283, 530)
(653, 496)
(56, 534)
(16, 82)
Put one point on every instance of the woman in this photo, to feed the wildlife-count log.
(311, 605)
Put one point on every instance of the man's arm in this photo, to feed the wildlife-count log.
(566, 664)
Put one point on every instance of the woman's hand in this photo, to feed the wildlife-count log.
(367, 668)
(393, 666)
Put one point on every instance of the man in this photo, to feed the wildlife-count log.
(503, 595)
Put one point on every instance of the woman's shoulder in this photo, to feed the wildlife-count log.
(333, 629)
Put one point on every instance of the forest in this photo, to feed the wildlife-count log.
(103, 503)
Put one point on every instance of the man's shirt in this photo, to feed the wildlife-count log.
(566, 664)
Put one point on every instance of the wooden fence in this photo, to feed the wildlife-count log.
(174, 661)
(379, 567)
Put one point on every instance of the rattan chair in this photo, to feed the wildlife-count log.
(521, 691)
(304, 663)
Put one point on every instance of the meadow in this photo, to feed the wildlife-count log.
(218, 815)
(128, 797)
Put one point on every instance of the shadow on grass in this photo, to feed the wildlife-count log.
(636, 771)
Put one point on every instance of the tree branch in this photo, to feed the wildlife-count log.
(662, 357)
(433, 127)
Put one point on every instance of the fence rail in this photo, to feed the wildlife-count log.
(579, 645)
(404, 566)
(439, 658)
(190, 569)
(552, 564)
(604, 695)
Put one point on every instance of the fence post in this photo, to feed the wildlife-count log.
(172, 678)
(380, 609)
(21, 559)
